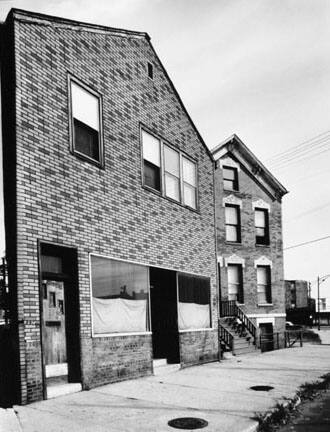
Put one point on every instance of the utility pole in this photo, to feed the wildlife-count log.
(318, 302)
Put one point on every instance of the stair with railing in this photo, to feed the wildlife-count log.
(237, 333)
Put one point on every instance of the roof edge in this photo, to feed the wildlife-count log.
(21, 14)
(228, 146)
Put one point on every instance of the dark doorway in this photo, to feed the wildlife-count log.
(164, 315)
(59, 310)
(266, 337)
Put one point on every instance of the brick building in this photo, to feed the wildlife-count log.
(296, 294)
(109, 209)
(249, 237)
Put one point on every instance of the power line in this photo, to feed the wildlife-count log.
(298, 147)
(306, 243)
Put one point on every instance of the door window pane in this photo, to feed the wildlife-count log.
(235, 282)
(120, 296)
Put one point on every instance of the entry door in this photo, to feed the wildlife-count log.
(266, 336)
(164, 315)
(53, 320)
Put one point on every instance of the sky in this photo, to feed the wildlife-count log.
(257, 68)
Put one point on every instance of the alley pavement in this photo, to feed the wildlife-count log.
(219, 393)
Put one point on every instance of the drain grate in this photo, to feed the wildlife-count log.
(261, 388)
(188, 423)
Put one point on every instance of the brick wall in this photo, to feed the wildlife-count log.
(65, 200)
(250, 191)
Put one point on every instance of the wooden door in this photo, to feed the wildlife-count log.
(53, 321)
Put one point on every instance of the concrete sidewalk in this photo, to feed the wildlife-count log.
(217, 392)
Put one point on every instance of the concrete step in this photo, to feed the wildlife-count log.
(54, 391)
(166, 369)
(245, 350)
(159, 362)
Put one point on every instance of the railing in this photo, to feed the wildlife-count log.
(293, 336)
(226, 337)
(229, 308)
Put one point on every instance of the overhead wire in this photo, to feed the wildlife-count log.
(306, 243)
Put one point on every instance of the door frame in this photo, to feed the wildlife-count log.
(74, 251)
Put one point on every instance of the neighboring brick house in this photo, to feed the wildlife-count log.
(249, 236)
(299, 306)
(109, 208)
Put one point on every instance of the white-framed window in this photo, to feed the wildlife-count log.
(261, 222)
(233, 223)
(235, 282)
(168, 171)
(120, 296)
(264, 284)
(85, 122)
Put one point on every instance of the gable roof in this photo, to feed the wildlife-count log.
(43, 19)
(234, 146)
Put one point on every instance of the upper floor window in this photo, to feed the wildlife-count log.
(264, 284)
(262, 226)
(168, 171)
(233, 223)
(150, 70)
(235, 283)
(86, 123)
(230, 178)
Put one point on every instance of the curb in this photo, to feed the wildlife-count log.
(9, 421)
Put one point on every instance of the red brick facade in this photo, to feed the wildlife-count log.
(253, 191)
(64, 200)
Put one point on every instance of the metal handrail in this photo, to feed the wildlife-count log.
(226, 336)
(230, 308)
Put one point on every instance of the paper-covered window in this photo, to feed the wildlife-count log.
(120, 296)
(194, 310)
(86, 123)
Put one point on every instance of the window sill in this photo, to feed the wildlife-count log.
(233, 243)
(158, 193)
(263, 245)
(265, 305)
(196, 330)
(121, 334)
(85, 158)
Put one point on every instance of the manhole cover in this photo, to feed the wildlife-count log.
(261, 388)
(188, 423)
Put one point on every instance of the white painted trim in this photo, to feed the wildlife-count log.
(234, 259)
(197, 330)
(260, 203)
(267, 320)
(265, 305)
(229, 162)
(263, 261)
(232, 200)
(275, 315)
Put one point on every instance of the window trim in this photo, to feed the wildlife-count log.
(269, 294)
(77, 153)
(266, 237)
(239, 226)
(182, 154)
(235, 181)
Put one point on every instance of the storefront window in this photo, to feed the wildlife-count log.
(120, 296)
(194, 310)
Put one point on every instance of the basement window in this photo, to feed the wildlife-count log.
(86, 129)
